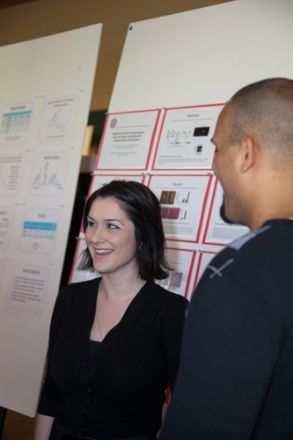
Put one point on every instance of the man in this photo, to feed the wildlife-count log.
(236, 376)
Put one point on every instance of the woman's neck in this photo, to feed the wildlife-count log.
(115, 288)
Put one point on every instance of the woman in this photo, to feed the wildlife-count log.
(115, 340)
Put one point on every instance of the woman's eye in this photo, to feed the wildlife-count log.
(91, 223)
(112, 226)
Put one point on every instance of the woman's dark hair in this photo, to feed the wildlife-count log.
(143, 209)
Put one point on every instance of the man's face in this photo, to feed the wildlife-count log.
(223, 213)
(225, 167)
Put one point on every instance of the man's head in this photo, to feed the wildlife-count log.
(254, 148)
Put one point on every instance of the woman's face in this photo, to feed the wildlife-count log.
(110, 237)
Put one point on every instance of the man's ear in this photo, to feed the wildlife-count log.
(248, 153)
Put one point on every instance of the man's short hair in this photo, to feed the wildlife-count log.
(264, 110)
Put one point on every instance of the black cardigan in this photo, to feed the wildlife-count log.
(118, 391)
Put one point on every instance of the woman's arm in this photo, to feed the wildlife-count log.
(43, 427)
(49, 392)
(172, 325)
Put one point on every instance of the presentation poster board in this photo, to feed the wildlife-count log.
(187, 66)
(45, 89)
(189, 61)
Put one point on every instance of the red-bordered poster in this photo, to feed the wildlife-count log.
(181, 262)
(127, 140)
(183, 200)
(184, 140)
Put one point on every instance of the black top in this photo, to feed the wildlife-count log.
(236, 374)
(118, 391)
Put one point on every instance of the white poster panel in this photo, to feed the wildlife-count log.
(218, 232)
(183, 200)
(42, 125)
(127, 140)
(185, 135)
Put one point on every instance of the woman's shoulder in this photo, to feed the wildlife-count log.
(171, 307)
(75, 290)
(83, 284)
(167, 296)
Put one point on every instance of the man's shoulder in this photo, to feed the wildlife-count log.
(270, 231)
(255, 251)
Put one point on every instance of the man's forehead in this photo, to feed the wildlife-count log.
(223, 119)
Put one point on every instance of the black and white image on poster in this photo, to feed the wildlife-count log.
(48, 175)
(59, 120)
(185, 138)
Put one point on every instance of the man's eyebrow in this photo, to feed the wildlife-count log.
(212, 141)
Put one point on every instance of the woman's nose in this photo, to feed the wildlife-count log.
(98, 235)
